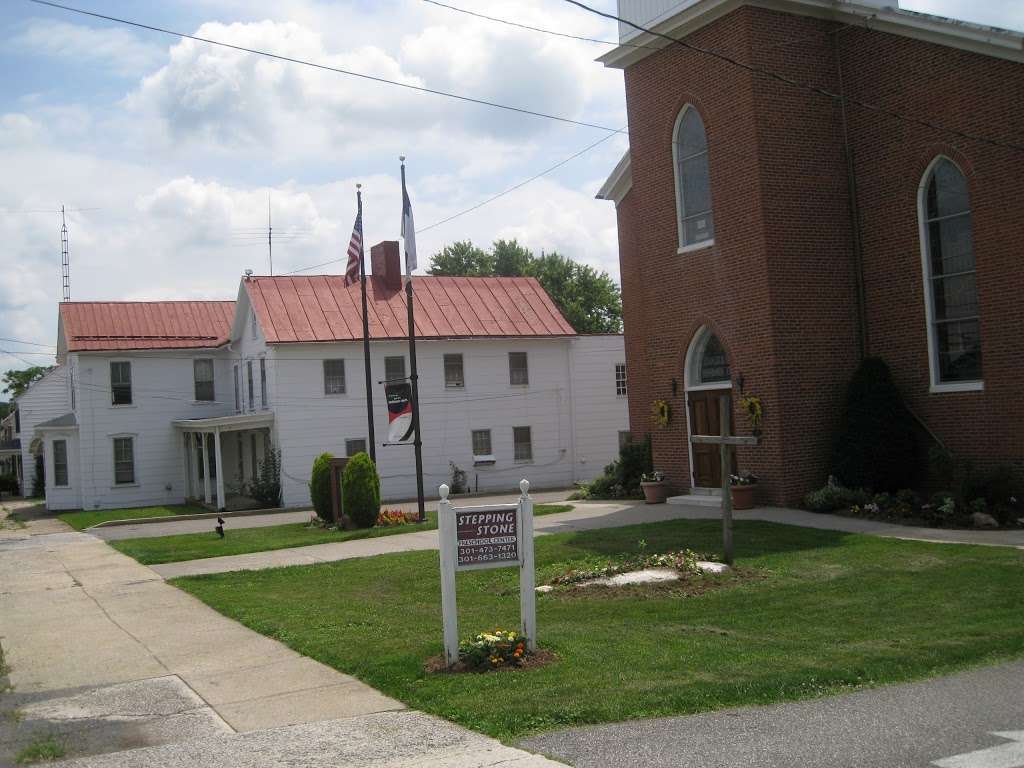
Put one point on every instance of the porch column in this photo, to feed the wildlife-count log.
(206, 470)
(220, 469)
(185, 484)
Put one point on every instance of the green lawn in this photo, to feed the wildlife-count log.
(812, 613)
(196, 546)
(84, 519)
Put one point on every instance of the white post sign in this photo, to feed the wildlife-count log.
(476, 538)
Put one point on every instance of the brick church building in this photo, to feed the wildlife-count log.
(772, 235)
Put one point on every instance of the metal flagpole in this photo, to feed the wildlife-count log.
(366, 332)
(414, 378)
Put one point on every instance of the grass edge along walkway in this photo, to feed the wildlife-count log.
(200, 546)
(86, 518)
(811, 613)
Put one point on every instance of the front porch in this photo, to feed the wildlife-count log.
(221, 458)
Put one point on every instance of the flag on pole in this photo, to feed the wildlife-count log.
(355, 251)
(408, 229)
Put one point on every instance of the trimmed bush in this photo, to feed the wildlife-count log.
(320, 487)
(622, 477)
(1002, 489)
(876, 445)
(360, 491)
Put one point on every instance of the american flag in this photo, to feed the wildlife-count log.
(355, 252)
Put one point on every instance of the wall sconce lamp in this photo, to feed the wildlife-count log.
(675, 386)
(739, 382)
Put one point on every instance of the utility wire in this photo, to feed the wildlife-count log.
(29, 343)
(521, 184)
(325, 67)
(539, 29)
(481, 204)
(798, 84)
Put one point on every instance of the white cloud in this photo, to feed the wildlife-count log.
(113, 48)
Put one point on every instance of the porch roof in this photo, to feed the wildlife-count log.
(234, 422)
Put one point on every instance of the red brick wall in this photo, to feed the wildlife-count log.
(778, 286)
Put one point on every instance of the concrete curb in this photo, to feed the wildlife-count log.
(196, 516)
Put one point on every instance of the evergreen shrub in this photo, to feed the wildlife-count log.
(876, 444)
(360, 491)
(320, 487)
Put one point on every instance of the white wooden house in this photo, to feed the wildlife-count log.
(158, 402)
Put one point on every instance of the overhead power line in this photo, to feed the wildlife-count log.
(481, 204)
(325, 67)
(29, 343)
(521, 184)
(538, 29)
(804, 86)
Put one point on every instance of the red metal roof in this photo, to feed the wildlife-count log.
(91, 326)
(321, 308)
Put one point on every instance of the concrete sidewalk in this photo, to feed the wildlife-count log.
(585, 516)
(173, 528)
(107, 657)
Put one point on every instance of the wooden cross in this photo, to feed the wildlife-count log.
(724, 440)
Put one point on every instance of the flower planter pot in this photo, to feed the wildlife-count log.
(655, 493)
(743, 496)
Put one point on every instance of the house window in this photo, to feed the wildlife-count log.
(124, 460)
(334, 377)
(238, 392)
(693, 182)
(121, 383)
(523, 444)
(714, 365)
(240, 447)
(352, 447)
(252, 391)
(255, 332)
(252, 455)
(202, 371)
(60, 463)
(518, 373)
(263, 382)
(394, 368)
(481, 442)
(954, 333)
(620, 379)
(625, 438)
(454, 376)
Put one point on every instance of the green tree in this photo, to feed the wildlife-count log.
(320, 487)
(462, 259)
(360, 490)
(589, 300)
(510, 258)
(16, 382)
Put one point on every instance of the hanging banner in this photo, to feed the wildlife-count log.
(399, 397)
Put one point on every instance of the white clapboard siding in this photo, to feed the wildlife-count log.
(163, 390)
(599, 414)
(309, 423)
(46, 399)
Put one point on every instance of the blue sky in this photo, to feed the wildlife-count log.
(176, 145)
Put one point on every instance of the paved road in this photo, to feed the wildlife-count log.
(107, 657)
(905, 726)
(148, 530)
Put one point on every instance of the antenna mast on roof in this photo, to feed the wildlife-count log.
(270, 237)
(65, 258)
